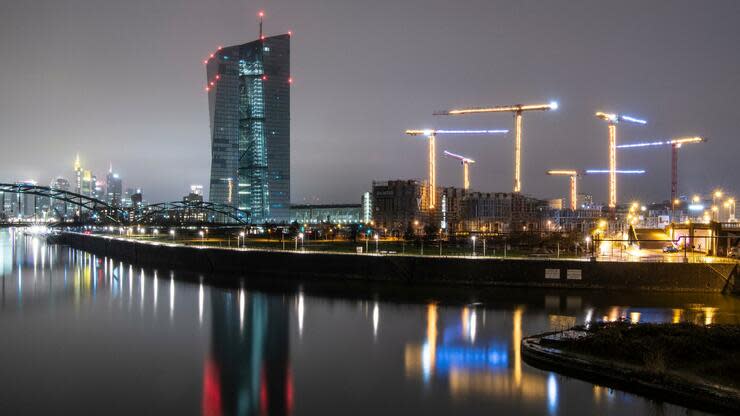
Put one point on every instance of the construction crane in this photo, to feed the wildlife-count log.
(518, 110)
(573, 174)
(675, 145)
(465, 161)
(431, 134)
(613, 120)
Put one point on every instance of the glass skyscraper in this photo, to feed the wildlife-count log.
(249, 103)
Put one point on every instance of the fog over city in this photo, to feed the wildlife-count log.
(123, 83)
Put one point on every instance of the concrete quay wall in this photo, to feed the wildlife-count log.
(570, 274)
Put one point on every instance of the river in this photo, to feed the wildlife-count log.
(82, 334)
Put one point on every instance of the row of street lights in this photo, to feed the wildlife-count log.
(241, 241)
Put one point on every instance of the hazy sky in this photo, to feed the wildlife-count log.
(122, 82)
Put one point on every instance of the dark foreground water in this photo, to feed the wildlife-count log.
(81, 334)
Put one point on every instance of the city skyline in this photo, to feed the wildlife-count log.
(601, 63)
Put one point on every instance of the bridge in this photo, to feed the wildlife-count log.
(93, 210)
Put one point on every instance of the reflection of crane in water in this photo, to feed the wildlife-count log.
(247, 371)
(472, 363)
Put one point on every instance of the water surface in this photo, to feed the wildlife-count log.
(82, 334)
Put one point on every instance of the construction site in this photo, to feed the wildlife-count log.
(427, 208)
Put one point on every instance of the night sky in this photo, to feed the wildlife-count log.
(123, 82)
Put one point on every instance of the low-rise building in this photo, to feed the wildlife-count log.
(331, 214)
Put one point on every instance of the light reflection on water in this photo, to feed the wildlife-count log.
(72, 321)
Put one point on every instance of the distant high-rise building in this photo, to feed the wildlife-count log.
(60, 208)
(193, 198)
(113, 188)
(98, 188)
(126, 198)
(25, 205)
(87, 187)
(78, 175)
(249, 104)
(196, 189)
(137, 199)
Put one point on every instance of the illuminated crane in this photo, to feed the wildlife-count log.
(675, 145)
(573, 174)
(613, 120)
(465, 164)
(431, 134)
(518, 110)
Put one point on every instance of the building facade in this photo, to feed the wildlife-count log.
(249, 105)
(400, 204)
(326, 214)
(61, 208)
(114, 189)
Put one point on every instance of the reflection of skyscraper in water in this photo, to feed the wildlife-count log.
(247, 371)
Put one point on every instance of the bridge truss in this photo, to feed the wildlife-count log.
(182, 211)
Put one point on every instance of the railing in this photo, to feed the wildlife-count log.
(394, 248)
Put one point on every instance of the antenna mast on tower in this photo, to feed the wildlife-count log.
(261, 14)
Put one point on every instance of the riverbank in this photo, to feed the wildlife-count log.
(687, 364)
(548, 273)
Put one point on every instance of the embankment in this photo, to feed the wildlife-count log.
(570, 274)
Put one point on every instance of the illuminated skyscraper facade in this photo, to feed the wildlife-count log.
(249, 104)
(113, 188)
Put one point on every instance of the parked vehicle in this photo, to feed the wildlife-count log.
(670, 249)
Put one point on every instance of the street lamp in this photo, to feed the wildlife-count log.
(241, 236)
(716, 200)
(172, 234)
(674, 203)
(473, 238)
(376, 237)
(731, 209)
(299, 236)
(156, 231)
(202, 235)
(588, 243)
